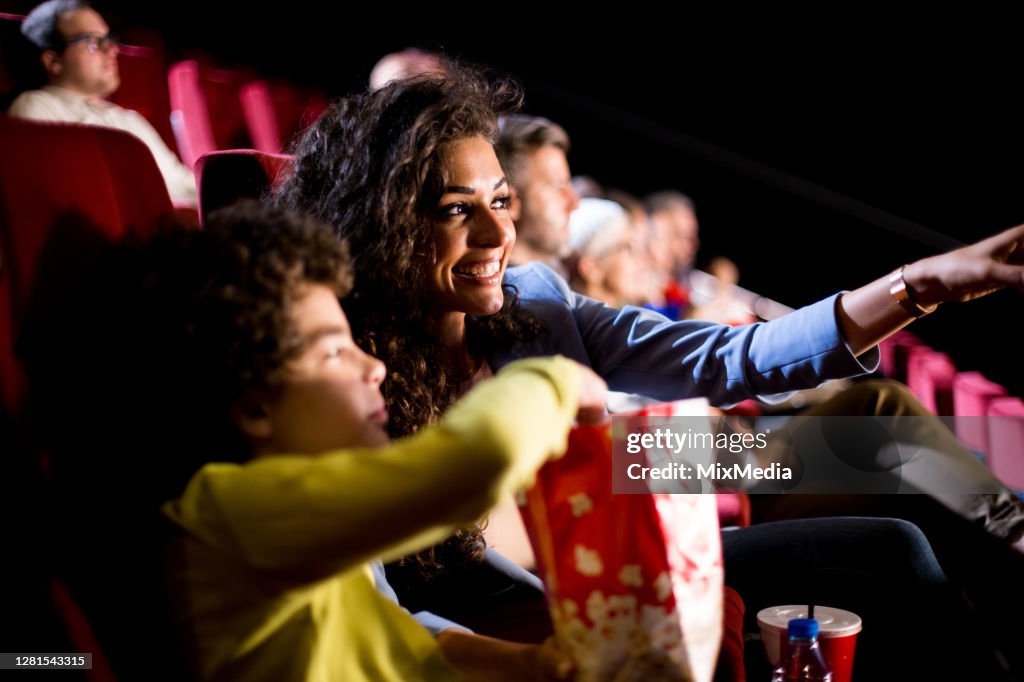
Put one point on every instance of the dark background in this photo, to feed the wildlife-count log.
(821, 151)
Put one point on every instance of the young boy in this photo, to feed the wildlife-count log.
(240, 357)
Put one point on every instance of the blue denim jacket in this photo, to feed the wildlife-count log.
(637, 350)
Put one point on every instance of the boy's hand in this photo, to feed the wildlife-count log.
(552, 662)
(496, 660)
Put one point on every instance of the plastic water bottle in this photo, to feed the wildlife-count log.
(803, 661)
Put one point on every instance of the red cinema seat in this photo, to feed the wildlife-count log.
(190, 118)
(930, 378)
(65, 190)
(313, 104)
(731, 666)
(221, 87)
(228, 176)
(733, 509)
(261, 117)
(972, 394)
(6, 78)
(80, 632)
(1006, 440)
(276, 112)
(144, 87)
(894, 353)
(19, 62)
(195, 91)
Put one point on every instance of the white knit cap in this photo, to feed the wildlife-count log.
(596, 226)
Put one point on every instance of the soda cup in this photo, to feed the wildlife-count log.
(837, 635)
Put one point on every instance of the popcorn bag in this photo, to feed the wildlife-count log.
(634, 582)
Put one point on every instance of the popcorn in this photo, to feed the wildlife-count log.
(634, 644)
(663, 586)
(588, 561)
(580, 503)
(632, 575)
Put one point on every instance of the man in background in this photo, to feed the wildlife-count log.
(532, 151)
(79, 55)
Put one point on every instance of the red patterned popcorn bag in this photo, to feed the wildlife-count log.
(634, 581)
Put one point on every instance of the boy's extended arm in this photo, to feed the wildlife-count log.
(314, 516)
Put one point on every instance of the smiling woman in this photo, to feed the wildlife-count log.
(473, 235)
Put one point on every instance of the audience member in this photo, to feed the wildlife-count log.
(79, 54)
(532, 150)
(405, 64)
(603, 264)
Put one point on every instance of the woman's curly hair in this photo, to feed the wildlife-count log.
(372, 167)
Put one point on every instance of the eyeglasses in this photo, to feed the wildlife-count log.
(94, 43)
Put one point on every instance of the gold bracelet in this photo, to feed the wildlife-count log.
(901, 294)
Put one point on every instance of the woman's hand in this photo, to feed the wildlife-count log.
(593, 397)
(870, 313)
(970, 272)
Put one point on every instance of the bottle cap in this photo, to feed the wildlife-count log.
(803, 628)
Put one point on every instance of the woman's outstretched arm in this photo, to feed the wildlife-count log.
(872, 313)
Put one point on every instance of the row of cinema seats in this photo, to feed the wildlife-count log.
(985, 418)
(177, 99)
(250, 112)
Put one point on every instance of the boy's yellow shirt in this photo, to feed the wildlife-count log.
(271, 578)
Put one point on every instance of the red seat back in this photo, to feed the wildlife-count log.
(1006, 440)
(144, 87)
(19, 61)
(228, 176)
(894, 353)
(261, 117)
(930, 378)
(972, 394)
(80, 632)
(64, 189)
(190, 118)
(195, 91)
(276, 112)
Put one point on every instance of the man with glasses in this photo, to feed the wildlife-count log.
(79, 55)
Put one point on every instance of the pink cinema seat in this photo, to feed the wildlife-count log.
(1006, 440)
(930, 378)
(972, 394)
(195, 91)
(895, 351)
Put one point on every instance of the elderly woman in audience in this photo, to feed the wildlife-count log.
(408, 175)
(604, 263)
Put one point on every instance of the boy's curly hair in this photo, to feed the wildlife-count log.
(181, 326)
